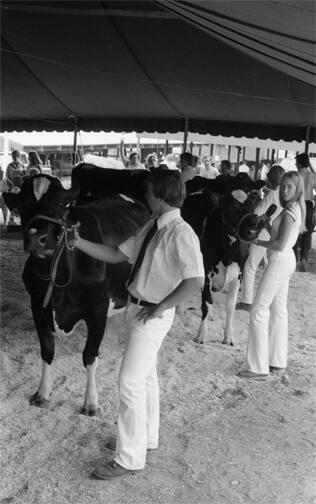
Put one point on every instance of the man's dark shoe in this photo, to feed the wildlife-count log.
(111, 470)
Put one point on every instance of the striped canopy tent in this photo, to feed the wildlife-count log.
(231, 67)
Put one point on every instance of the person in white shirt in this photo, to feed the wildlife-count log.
(132, 162)
(264, 169)
(208, 171)
(256, 253)
(268, 328)
(165, 273)
(243, 168)
(304, 242)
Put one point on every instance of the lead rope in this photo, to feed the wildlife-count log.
(66, 240)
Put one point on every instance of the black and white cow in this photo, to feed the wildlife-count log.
(225, 225)
(66, 285)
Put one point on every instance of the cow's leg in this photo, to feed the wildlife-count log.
(91, 406)
(41, 317)
(96, 327)
(231, 300)
(206, 307)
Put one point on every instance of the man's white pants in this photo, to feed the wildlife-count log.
(255, 256)
(138, 420)
(268, 329)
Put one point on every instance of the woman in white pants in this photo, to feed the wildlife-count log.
(257, 253)
(268, 330)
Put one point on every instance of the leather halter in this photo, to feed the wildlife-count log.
(235, 229)
(62, 244)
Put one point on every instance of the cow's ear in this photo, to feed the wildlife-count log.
(71, 195)
(258, 184)
(11, 200)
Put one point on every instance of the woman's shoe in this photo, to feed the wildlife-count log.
(254, 376)
(276, 370)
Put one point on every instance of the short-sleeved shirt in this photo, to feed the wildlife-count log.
(14, 174)
(294, 210)
(309, 179)
(172, 255)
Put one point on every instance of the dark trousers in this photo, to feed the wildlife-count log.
(303, 246)
(304, 241)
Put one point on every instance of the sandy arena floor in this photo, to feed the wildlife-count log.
(224, 440)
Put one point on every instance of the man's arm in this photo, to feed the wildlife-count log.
(182, 292)
(99, 251)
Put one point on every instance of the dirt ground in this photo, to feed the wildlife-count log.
(224, 440)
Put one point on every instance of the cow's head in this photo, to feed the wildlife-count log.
(41, 204)
(244, 183)
(238, 216)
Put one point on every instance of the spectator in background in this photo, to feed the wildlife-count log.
(132, 162)
(35, 164)
(15, 172)
(208, 171)
(198, 164)
(3, 206)
(226, 167)
(187, 165)
(264, 169)
(244, 168)
(304, 241)
(151, 162)
(252, 170)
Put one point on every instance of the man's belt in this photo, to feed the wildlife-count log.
(140, 302)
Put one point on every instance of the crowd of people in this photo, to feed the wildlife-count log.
(12, 179)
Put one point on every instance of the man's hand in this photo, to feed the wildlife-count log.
(149, 312)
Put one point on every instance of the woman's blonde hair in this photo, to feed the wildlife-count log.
(299, 195)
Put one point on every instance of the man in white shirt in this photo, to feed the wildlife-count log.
(168, 267)
(304, 241)
(208, 171)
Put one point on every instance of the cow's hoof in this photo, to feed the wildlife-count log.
(91, 411)
(38, 401)
(197, 340)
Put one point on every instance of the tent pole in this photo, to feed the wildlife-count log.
(257, 162)
(74, 150)
(166, 147)
(307, 136)
(185, 136)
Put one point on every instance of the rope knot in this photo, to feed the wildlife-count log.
(71, 235)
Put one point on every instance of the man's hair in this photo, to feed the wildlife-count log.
(274, 175)
(16, 153)
(226, 163)
(168, 186)
(187, 158)
(302, 159)
(133, 154)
